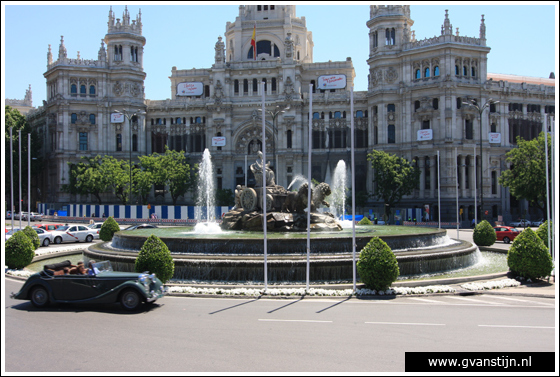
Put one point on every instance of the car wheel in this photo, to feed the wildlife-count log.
(46, 242)
(39, 297)
(130, 299)
(89, 238)
(506, 239)
(58, 240)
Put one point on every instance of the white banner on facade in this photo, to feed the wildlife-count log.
(495, 137)
(190, 89)
(218, 141)
(332, 82)
(425, 134)
(117, 117)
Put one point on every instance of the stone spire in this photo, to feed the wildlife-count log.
(220, 51)
(111, 21)
(28, 99)
(61, 49)
(49, 56)
(483, 31)
(126, 16)
(406, 33)
(446, 28)
(102, 54)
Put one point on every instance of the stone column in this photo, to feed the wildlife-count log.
(422, 167)
(462, 176)
(433, 177)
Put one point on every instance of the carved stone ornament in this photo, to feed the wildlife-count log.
(118, 88)
(391, 75)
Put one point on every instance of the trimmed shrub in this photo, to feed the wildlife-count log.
(33, 236)
(19, 251)
(529, 257)
(484, 234)
(155, 257)
(377, 265)
(109, 227)
(365, 221)
(542, 232)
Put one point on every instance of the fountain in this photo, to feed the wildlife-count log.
(205, 198)
(338, 196)
(236, 251)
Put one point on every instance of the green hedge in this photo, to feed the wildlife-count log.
(19, 251)
(109, 227)
(377, 265)
(484, 234)
(365, 221)
(155, 257)
(542, 232)
(33, 236)
(529, 257)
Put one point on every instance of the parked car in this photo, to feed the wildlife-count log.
(97, 228)
(101, 285)
(538, 222)
(73, 233)
(35, 216)
(10, 233)
(141, 226)
(506, 233)
(23, 215)
(9, 215)
(49, 227)
(45, 237)
(521, 223)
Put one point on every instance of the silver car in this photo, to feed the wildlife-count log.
(74, 233)
(45, 238)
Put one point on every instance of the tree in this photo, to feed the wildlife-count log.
(395, 178)
(178, 174)
(143, 182)
(526, 177)
(117, 173)
(87, 178)
(361, 199)
(225, 197)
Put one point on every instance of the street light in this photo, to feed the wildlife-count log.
(480, 110)
(274, 113)
(129, 116)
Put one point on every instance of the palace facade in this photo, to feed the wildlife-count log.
(414, 107)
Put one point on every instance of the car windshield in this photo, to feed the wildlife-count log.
(13, 231)
(514, 230)
(102, 266)
(62, 228)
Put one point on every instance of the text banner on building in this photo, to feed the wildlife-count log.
(218, 141)
(425, 134)
(117, 118)
(332, 82)
(495, 137)
(190, 89)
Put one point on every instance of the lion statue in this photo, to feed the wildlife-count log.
(296, 202)
(320, 192)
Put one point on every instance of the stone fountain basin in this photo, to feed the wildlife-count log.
(240, 257)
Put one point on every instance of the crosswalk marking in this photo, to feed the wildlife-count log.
(426, 300)
(474, 300)
(517, 299)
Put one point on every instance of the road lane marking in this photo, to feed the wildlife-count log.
(517, 299)
(426, 300)
(523, 327)
(293, 320)
(475, 300)
(406, 323)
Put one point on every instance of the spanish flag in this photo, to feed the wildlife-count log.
(254, 42)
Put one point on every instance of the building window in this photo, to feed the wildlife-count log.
(457, 70)
(273, 85)
(427, 72)
(118, 53)
(119, 142)
(135, 143)
(134, 54)
(435, 104)
(390, 37)
(245, 86)
(361, 138)
(316, 116)
(83, 141)
(493, 127)
(92, 118)
(289, 139)
(206, 91)
(359, 114)
(468, 129)
(436, 71)
(391, 108)
(459, 102)
(73, 89)
(313, 87)
(426, 125)
(417, 75)
(255, 86)
(416, 105)
(473, 72)
(464, 70)
(319, 138)
(337, 115)
(375, 134)
(91, 90)
(236, 86)
(391, 134)
(265, 83)
(73, 118)
(494, 183)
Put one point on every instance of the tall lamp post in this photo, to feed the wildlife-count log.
(480, 110)
(129, 116)
(274, 113)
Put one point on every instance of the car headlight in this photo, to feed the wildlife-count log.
(144, 280)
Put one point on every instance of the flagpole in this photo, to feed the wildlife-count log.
(457, 191)
(309, 187)
(264, 189)
(353, 190)
(438, 193)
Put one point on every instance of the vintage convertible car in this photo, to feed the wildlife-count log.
(62, 283)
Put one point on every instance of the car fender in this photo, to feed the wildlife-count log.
(32, 282)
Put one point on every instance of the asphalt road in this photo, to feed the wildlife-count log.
(181, 334)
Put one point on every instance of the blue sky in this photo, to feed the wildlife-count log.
(523, 38)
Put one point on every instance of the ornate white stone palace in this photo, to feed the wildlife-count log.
(413, 107)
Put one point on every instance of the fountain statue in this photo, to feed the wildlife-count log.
(286, 211)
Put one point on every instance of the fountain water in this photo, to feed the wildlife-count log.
(205, 199)
(338, 187)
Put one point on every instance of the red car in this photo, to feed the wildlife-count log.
(49, 227)
(506, 233)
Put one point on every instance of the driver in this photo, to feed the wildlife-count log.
(92, 270)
